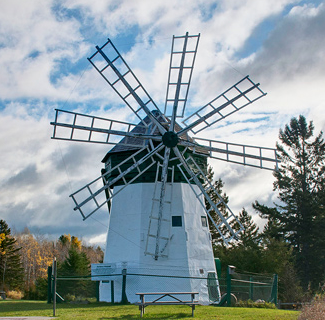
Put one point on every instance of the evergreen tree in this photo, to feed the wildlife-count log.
(250, 237)
(265, 252)
(274, 228)
(246, 253)
(11, 271)
(300, 218)
(217, 185)
(75, 265)
(277, 258)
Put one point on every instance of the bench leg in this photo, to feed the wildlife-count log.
(141, 307)
(193, 308)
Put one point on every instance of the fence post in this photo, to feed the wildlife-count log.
(124, 297)
(112, 291)
(97, 290)
(49, 284)
(275, 290)
(218, 266)
(54, 285)
(251, 288)
(230, 271)
(228, 287)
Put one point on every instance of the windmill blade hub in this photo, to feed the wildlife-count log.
(170, 139)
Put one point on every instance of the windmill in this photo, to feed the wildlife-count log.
(154, 181)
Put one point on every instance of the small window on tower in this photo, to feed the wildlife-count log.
(176, 221)
(204, 221)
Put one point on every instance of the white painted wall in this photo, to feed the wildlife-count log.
(189, 250)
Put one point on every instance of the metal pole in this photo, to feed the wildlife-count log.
(54, 285)
(251, 288)
(275, 289)
(228, 287)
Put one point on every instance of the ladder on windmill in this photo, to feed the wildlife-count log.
(158, 236)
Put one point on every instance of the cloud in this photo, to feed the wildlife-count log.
(39, 174)
(44, 45)
(33, 43)
(291, 52)
(26, 177)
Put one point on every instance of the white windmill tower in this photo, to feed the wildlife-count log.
(158, 222)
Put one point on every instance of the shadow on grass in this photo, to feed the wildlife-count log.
(29, 305)
(147, 316)
(23, 305)
(113, 310)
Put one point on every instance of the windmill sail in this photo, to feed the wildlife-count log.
(253, 156)
(74, 126)
(190, 168)
(182, 60)
(235, 98)
(112, 67)
(91, 193)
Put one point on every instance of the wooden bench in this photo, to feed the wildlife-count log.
(175, 300)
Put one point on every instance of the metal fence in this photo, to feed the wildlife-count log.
(122, 287)
(243, 286)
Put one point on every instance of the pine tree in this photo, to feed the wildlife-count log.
(300, 181)
(11, 271)
(246, 253)
(76, 264)
(250, 237)
(217, 185)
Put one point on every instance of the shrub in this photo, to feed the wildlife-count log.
(255, 304)
(37, 291)
(70, 297)
(16, 295)
(314, 311)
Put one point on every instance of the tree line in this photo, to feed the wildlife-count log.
(25, 258)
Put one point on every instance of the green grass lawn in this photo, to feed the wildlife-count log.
(103, 311)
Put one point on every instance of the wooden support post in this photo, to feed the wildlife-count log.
(97, 290)
(112, 291)
(124, 297)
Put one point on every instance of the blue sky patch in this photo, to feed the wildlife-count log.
(207, 11)
(258, 37)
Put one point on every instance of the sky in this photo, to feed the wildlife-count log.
(44, 46)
